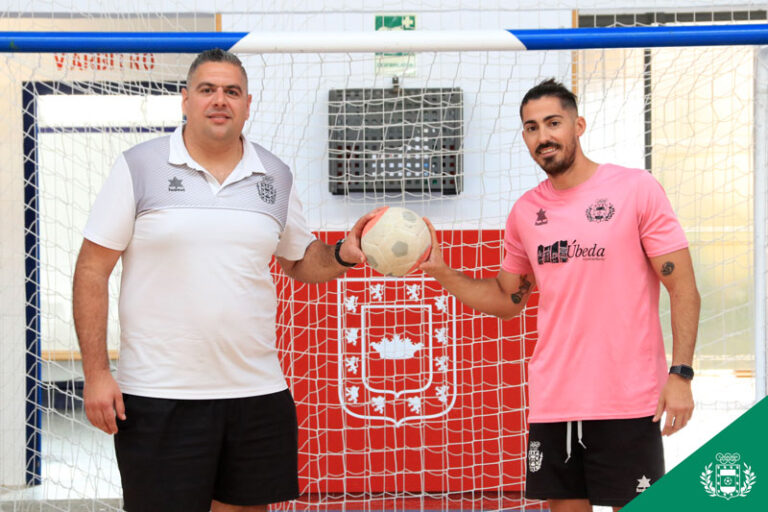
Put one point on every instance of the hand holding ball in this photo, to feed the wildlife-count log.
(396, 241)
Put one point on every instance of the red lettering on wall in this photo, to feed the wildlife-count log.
(105, 61)
(149, 61)
(101, 61)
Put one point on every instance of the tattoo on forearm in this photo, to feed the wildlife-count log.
(525, 287)
(667, 268)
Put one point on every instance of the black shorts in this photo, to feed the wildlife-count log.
(178, 455)
(621, 459)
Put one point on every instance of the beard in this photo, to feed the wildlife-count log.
(554, 167)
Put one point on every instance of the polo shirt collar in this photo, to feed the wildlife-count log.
(249, 164)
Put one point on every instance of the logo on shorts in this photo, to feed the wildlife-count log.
(731, 479)
(643, 483)
(266, 189)
(600, 211)
(175, 185)
(541, 217)
(534, 456)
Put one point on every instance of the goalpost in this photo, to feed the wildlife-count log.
(404, 116)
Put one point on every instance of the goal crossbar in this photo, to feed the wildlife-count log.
(383, 41)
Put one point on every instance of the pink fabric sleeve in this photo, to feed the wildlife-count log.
(515, 258)
(660, 231)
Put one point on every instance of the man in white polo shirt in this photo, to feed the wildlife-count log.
(200, 407)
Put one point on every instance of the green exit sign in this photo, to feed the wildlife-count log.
(395, 63)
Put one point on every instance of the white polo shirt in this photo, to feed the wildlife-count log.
(197, 301)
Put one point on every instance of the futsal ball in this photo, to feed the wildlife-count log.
(396, 241)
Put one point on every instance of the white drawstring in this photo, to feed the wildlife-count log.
(568, 431)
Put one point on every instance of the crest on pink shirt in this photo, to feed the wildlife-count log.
(600, 211)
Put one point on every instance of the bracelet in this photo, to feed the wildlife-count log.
(682, 370)
(336, 252)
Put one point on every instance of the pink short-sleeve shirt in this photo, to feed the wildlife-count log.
(600, 352)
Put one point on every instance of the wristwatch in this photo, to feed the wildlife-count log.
(338, 256)
(682, 370)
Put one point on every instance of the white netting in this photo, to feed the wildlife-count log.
(456, 440)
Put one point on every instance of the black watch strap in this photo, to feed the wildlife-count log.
(338, 256)
(682, 370)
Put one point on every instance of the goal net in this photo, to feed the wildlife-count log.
(406, 399)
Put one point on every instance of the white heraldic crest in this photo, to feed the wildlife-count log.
(397, 352)
(731, 479)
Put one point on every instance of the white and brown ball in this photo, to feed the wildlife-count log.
(396, 241)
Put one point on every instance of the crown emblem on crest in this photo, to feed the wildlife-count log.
(728, 458)
(396, 348)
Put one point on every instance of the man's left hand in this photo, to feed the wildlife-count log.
(677, 400)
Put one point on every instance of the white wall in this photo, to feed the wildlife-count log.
(12, 320)
(496, 166)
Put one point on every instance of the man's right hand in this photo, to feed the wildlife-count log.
(434, 262)
(103, 401)
(503, 296)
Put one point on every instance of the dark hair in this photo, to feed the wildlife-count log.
(216, 55)
(550, 87)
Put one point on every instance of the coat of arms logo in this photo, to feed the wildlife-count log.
(397, 354)
(600, 211)
(731, 480)
(267, 190)
(535, 457)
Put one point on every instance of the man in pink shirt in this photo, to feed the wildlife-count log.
(596, 240)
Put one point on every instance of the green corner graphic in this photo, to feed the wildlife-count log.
(730, 472)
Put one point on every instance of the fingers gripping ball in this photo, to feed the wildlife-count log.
(396, 241)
